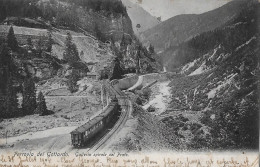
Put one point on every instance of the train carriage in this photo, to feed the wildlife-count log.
(86, 132)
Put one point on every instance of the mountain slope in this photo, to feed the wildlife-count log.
(228, 38)
(105, 19)
(90, 52)
(180, 28)
(217, 85)
(140, 17)
(90, 24)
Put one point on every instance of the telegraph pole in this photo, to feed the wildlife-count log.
(6, 137)
(102, 95)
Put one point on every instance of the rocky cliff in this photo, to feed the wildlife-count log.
(141, 19)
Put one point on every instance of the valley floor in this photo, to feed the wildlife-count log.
(165, 129)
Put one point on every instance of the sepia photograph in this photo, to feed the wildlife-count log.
(129, 78)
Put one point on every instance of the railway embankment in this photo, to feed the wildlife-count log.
(114, 90)
(142, 130)
(148, 80)
(126, 110)
(116, 87)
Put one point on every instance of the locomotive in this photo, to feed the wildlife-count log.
(83, 134)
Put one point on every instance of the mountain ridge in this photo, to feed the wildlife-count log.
(179, 28)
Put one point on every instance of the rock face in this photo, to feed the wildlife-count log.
(43, 69)
(111, 27)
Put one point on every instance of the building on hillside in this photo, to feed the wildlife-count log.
(92, 75)
(10, 21)
(25, 22)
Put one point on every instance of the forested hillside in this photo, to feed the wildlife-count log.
(58, 43)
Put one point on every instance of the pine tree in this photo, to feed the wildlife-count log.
(2, 81)
(49, 42)
(71, 54)
(3, 13)
(138, 56)
(117, 72)
(3, 69)
(29, 97)
(123, 43)
(72, 81)
(11, 40)
(11, 102)
(29, 43)
(40, 47)
(41, 105)
(7, 67)
(99, 34)
(151, 49)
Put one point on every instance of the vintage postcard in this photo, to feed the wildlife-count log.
(140, 83)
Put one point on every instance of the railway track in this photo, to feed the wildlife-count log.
(126, 106)
(101, 144)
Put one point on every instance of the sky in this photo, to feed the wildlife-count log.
(169, 8)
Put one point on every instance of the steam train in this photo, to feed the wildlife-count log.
(83, 134)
